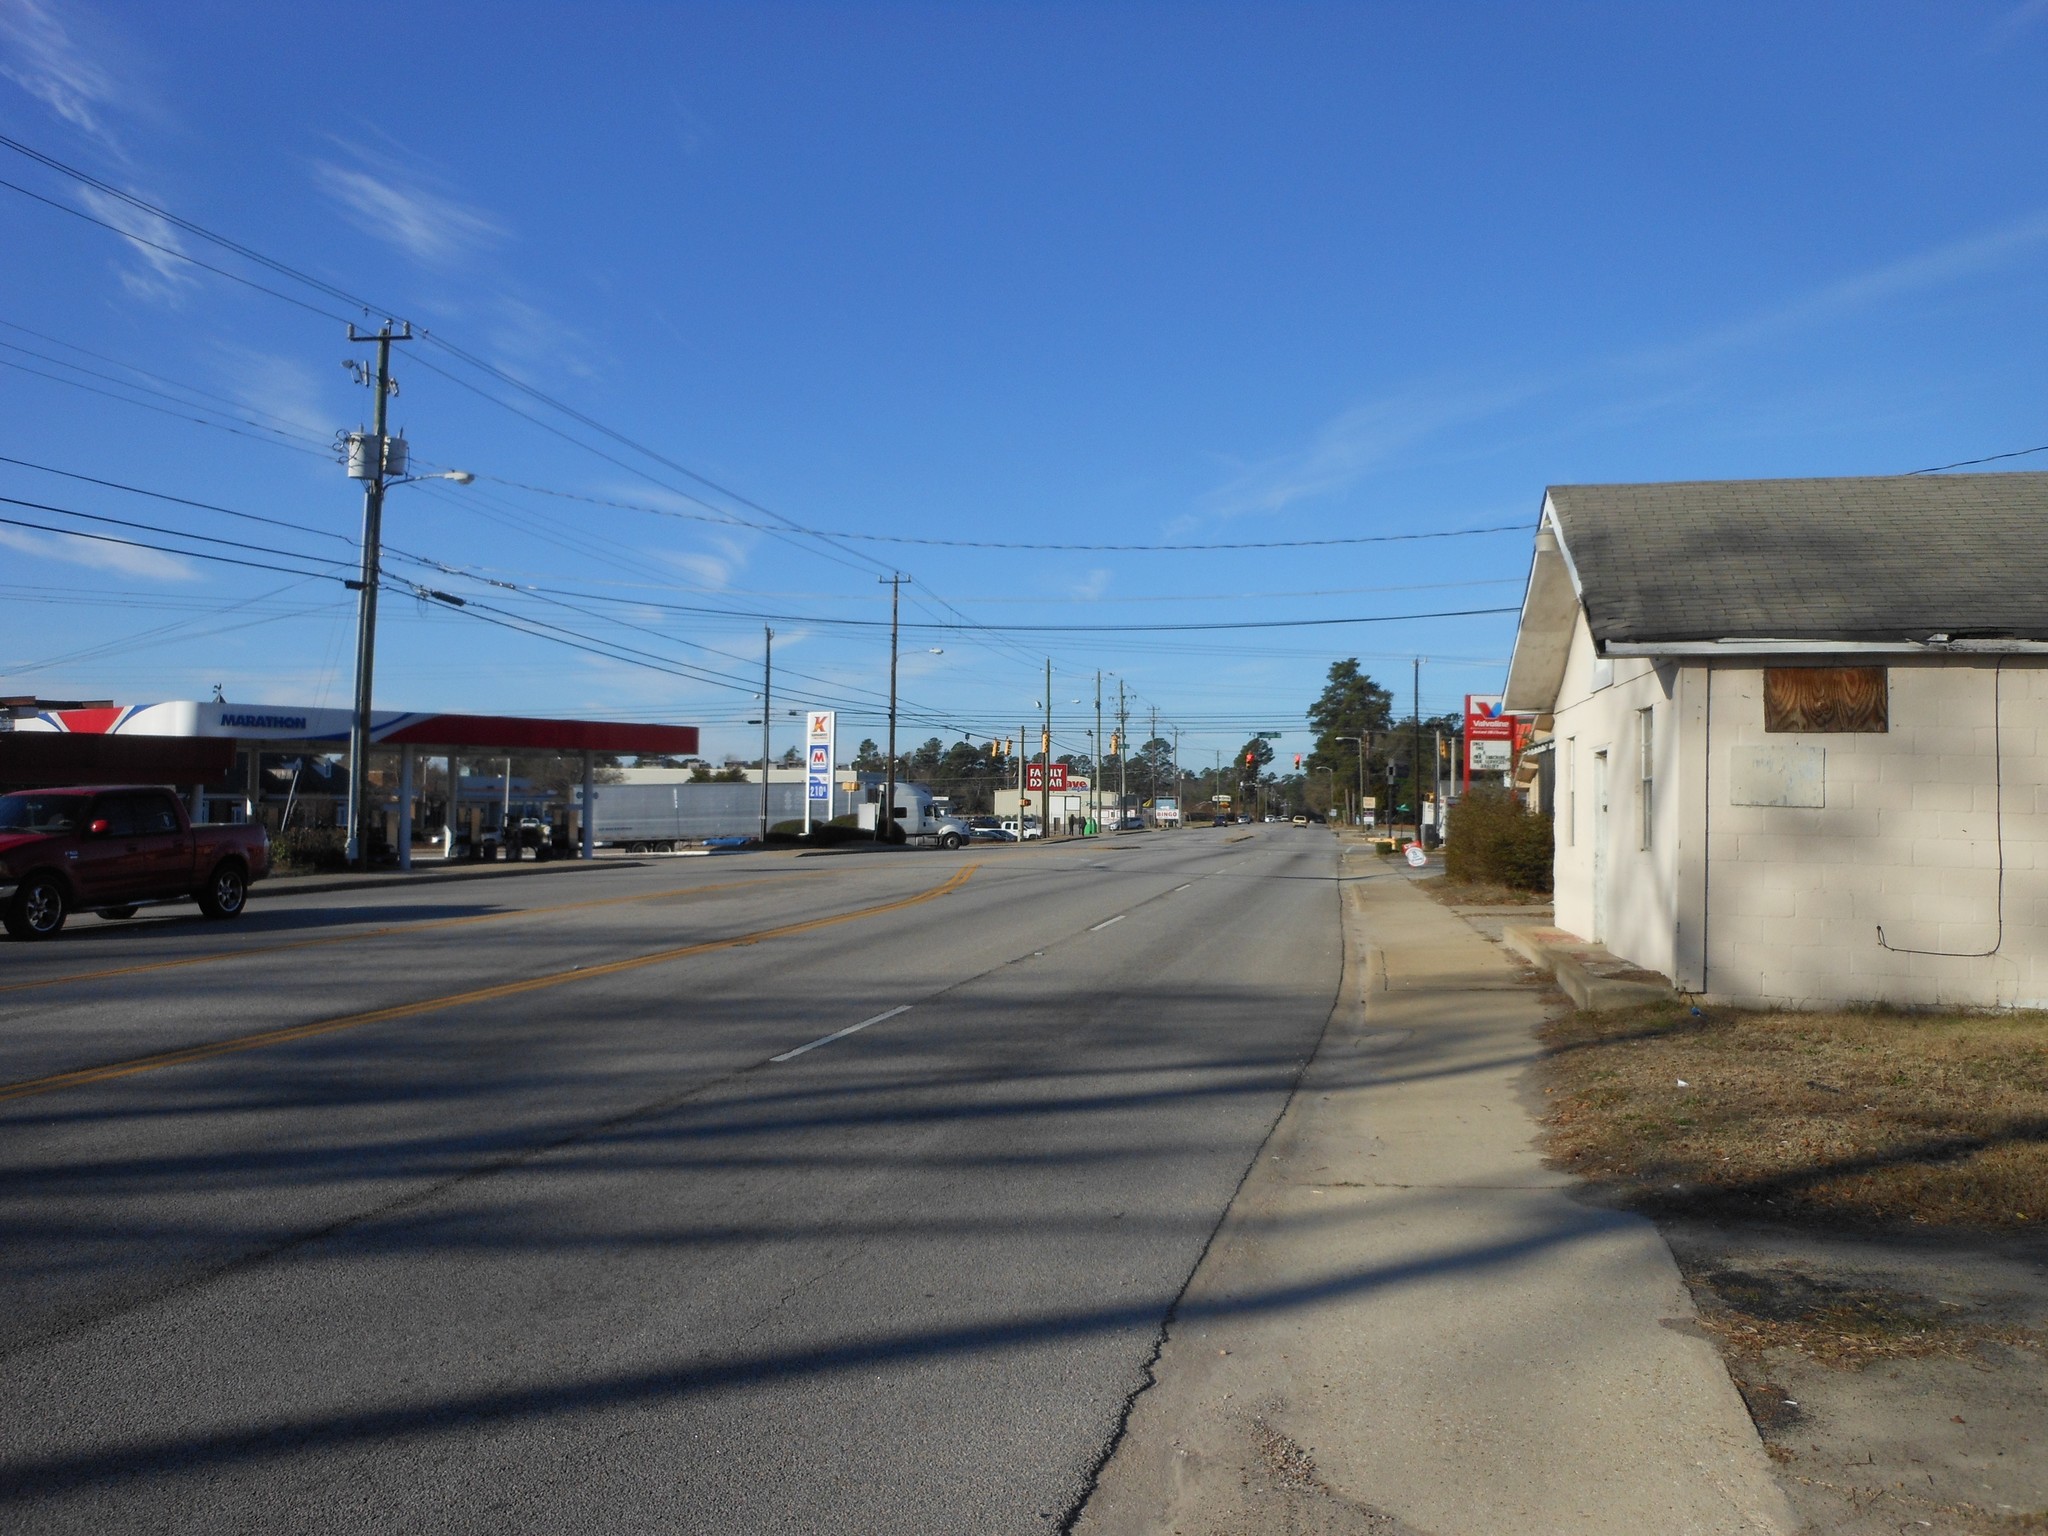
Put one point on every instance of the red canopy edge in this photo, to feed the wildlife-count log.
(513, 733)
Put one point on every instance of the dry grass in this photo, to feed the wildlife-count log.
(1865, 1118)
(1482, 893)
(1837, 1324)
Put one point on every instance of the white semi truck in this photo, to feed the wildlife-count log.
(917, 823)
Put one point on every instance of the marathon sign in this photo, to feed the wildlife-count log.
(1044, 776)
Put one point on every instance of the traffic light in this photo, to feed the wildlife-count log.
(1116, 743)
(1045, 742)
(1251, 759)
(1297, 762)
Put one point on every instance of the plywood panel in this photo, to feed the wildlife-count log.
(1836, 699)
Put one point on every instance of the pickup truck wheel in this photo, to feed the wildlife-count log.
(226, 891)
(119, 912)
(949, 841)
(36, 910)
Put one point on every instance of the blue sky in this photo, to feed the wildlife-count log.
(1012, 273)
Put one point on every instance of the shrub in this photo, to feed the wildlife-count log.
(1492, 839)
(318, 850)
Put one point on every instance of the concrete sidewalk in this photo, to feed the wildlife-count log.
(1407, 1324)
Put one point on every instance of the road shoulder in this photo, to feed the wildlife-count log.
(1407, 1325)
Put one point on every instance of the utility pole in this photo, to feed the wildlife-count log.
(767, 707)
(1045, 762)
(1436, 773)
(885, 824)
(1096, 776)
(366, 591)
(1123, 754)
(1152, 764)
(1179, 797)
(1417, 775)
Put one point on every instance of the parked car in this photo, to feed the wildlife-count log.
(987, 829)
(112, 849)
(1223, 818)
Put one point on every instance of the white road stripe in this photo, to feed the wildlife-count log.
(1179, 888)
(1100, 926)
(841, 1034)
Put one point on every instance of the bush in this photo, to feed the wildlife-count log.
(314, 850)
(1493, 840)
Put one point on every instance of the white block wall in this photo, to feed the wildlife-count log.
(1777, 905)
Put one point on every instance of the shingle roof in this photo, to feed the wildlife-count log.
(1871, 558)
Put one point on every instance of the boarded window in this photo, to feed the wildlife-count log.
(1826, 699)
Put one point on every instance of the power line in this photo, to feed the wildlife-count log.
(183, 501)
(176, 533)
(2017, 453)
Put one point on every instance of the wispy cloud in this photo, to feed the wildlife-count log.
(1355, 443)
(1091, 586)
(1378, 434)
(39, 54)
(713, 569)
(162, 276)
(526, 337)
(283, 387)
(98, 556)
(396, 204)
(1937, 267)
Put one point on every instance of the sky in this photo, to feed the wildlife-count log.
(723, 303)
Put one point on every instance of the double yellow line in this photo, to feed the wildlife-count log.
(156, 1062)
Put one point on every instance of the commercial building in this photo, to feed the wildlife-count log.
(1799, 731)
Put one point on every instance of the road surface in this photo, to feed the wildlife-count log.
(764, 1194)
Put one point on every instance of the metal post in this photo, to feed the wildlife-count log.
(1416, 775)
(885, 823)
(589, 837)
(767, 705)
(1096, 777)
(405, 807)
(1123, 755)
(1045, 762)
(450, 816)
(508, 846)
(366, 604)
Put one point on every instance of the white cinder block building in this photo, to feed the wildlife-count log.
(1800, 732)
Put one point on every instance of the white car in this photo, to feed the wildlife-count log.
(1029, 830)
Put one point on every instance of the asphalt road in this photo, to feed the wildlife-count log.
(514, 1205)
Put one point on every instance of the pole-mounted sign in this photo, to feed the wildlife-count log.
(820, 727)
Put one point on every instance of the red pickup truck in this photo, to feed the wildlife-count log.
(111, 848)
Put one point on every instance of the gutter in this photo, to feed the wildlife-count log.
(1768, 647)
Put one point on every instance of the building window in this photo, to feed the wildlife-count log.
(1646, 770)
(1836, 699)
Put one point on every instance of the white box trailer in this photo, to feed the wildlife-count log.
(659, 817)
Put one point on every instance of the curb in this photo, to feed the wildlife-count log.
(1588, 990)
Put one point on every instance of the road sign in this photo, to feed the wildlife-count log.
(1035, 776)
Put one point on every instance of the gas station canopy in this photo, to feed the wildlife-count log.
(294, 725)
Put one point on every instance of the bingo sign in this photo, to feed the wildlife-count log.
(818, 742)
(1489, 736)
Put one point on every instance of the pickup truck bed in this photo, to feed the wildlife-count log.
(113, 848)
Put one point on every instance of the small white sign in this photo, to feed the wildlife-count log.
(1416, 857)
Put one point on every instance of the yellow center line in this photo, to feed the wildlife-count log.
(156, 1062)
(397, 928)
